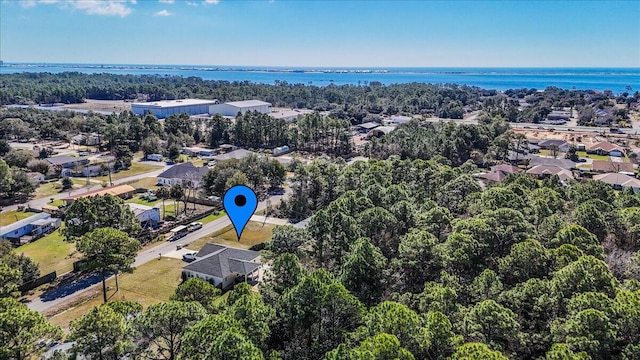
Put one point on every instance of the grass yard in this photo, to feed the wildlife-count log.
(593, 156)
(141, 201)
(55, 187)
(9, 217)
(196, 161)
(58, 202)
(135, 169)
(253, 234)
(209, 218)
(51, 253)
(151, 283)
(148, 183)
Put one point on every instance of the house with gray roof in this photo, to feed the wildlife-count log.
(563, 163)
(234, 154)
(185, 174)
(222, 265)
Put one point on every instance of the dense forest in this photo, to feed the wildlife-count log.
(372, 98)
(355, 103)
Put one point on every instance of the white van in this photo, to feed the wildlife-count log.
(195, 226)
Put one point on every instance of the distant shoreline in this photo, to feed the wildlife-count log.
(617, 80)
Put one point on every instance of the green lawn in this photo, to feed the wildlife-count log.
(209, 218)
(55, 187)
(51, 253)
(151, 283)
(58, 202)
(593, 156)
(135, 169)
(253, 234)
(146, 183)
(138, 200)
(9, 217)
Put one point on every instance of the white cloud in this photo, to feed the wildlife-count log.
(163, 12)
(192, 3)
(166, 1)
(106, 8)
(214, 2)
(28, 3)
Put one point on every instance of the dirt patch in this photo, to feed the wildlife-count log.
(101, 105)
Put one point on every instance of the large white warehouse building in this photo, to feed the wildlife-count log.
(235, 107)
(162, 109)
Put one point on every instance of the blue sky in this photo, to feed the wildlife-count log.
(323, 33)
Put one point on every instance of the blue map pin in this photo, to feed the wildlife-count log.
(240, 202)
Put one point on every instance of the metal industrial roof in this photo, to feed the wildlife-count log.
(175, 103)
(247, 103)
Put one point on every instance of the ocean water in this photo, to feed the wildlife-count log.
(617, 80)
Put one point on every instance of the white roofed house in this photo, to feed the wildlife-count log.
(222, 265)
(148, 216)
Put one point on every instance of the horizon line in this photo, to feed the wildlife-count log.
(324, 66)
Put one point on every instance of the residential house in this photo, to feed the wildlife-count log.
(222, 265)
(185, 174)
(540, 160)
(600, 166)
(498, 172)
(148, 216)
(619, 181)
(198, 151)
(34, 226)
(603, 117)
(605, 148)
(66, 162)
(122, 191)
(552, 144)
(544, 171)
(234, 154)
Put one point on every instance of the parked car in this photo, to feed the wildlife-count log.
(195, 226)
(189, 257)
(170, 162)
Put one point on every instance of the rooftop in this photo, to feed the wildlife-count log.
(610, 166)
(247, 103)
(618, 179)
(563, 174)
(139, 209)
(605, 146)
(235, 154)
(221, 261)
(184, 171)
(368, 125)
(175, 103)
(116, 190)
(563, 163)
(63, 159)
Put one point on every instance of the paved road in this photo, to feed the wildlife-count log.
(68, 294)
(38, 203)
